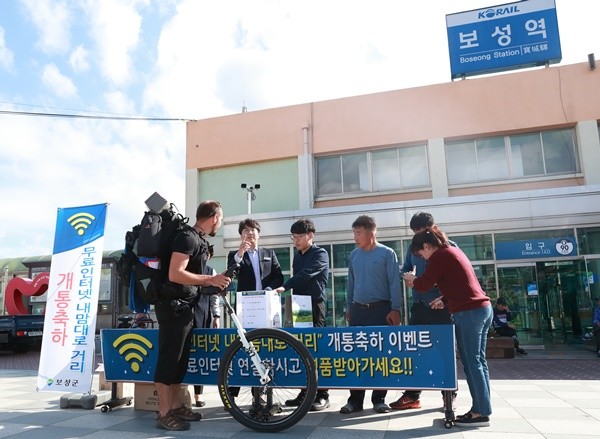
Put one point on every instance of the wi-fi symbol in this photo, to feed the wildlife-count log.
(133, 353)
(81, 221)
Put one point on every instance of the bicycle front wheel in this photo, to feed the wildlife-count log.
(292, 376)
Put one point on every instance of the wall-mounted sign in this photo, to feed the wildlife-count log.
(536, 248)
(532, 289)
(504, 37)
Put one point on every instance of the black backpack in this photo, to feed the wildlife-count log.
(144, 264)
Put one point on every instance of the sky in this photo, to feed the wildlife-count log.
(178, 60)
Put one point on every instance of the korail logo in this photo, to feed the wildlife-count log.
(497, 12)
(565, 247)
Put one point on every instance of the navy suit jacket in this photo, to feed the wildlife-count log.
(270, 270)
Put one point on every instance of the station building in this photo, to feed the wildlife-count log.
(508, 165)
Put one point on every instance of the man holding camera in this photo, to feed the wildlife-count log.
(176, 317)
(502, 317)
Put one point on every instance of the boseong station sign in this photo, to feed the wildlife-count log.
(504, 37)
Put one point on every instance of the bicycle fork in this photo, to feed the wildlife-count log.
(249, 348)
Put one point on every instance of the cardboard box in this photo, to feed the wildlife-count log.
(302, 315)
(259, 309)
(146, 398)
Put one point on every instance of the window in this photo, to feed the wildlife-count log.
(476, 247)
(487, 278)
(397, 247)
(329, 175)
(413, 167)
(341, 254)
(355, 176)
(284, 259)
(511, 157)
(534, 234)
(559, 155)
(374, 171)
(589, 240)
(385, 170)
(527, 157)
(461, 162)
(492, 159)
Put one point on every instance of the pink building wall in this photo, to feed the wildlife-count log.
(544, 98)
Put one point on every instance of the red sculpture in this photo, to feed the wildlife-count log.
(18, 287)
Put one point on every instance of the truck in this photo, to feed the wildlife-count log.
(21, 333)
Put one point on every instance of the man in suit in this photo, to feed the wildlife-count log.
(259, 267)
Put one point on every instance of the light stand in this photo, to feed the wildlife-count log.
(250, 195)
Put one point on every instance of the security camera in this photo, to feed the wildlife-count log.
(243, 185)
(257, 186)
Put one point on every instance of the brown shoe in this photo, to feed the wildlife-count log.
(405, 403)
(186, 414)
(171, 423)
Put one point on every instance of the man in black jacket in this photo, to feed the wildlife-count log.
(259, 267)
(311, 273)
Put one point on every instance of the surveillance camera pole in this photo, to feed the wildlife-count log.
(250, 195)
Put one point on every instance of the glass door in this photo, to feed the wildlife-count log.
(591, 284)
(518, 285)
(561, 293)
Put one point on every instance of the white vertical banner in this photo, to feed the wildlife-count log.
(67, 356)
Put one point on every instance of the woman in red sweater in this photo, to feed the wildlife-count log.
(471, 309)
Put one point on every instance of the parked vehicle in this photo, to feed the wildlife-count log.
(21, 333)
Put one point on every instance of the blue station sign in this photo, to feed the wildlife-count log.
(536, 248)
(504, 37)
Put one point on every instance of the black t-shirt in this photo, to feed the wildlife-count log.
(189, 242)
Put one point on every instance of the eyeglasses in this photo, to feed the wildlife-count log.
(295, 237)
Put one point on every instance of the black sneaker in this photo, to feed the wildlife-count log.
(521, 351)
(468, 420)
(296, 401)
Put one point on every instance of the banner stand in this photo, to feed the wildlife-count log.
(85, 401)
(91, 400)
(68, 344)
(106, 398)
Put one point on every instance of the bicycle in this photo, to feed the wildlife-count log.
(139, 320)
(260, 403)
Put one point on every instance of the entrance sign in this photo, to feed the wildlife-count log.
(66, 359)
(536, 248)
(403, 357)
(505, 37)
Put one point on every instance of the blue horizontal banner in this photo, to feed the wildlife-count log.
(403, 357)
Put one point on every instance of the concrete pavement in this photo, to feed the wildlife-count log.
(528, 409)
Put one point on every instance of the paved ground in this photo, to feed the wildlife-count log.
(543, 395)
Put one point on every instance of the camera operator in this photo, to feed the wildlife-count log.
(176, 317)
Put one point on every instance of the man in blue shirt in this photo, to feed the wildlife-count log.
(311, 272)
(421, 312)
(374, 296)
